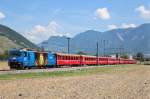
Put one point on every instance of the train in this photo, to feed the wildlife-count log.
(27, 59)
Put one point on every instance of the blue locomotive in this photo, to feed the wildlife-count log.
(25, 59)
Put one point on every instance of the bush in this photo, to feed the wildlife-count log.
(140, 56)
(81, 53)
(4, 56)
(125, 56)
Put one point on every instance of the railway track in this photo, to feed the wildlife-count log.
(43, 70)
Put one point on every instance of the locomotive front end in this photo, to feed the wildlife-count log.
(16, 59)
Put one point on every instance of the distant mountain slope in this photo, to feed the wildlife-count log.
(11, 39)
(131, 39)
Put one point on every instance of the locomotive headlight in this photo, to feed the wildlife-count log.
(14, 58)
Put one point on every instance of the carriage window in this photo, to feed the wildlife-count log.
(64, 57)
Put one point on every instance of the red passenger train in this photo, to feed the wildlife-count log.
(82, 60)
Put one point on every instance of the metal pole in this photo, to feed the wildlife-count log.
(97, 53)
(104, 47)
(68, 44)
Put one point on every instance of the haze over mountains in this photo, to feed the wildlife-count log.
(130, 40)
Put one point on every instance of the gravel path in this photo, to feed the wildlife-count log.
(132, 83)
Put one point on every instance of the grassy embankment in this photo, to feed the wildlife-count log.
(90, 71)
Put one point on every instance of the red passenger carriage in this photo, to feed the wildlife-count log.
(64, 60)
(88, 60)
(103, 60)
(67, 59)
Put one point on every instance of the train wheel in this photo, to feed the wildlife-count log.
(25, 68)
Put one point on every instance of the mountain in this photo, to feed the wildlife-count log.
(128, 40)
(11, 39)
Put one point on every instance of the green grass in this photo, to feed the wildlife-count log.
(83, 72)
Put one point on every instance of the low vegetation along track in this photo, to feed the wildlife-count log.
(8, 71)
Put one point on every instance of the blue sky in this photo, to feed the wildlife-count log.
(40, 19)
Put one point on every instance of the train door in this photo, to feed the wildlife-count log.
(51, 60)
(31, 59)
(82, 60)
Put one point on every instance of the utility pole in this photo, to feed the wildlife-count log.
(104, 46)
(68, 38)
(97, 52)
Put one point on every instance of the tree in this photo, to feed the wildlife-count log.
(140, 56)
(81, 53)
(4, 56)
(125, 56)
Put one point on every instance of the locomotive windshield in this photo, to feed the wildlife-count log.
(15, 53)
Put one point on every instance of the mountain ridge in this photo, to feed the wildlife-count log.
(135, 39)
(12, 39)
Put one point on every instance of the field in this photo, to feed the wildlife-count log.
(3, 65)
(111, 82)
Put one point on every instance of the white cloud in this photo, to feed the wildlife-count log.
(39, 28)
(52, 28)
(40, 33)
(144, 12)
(2, 15)
(102, 13)
(125, 25)
(113, 26)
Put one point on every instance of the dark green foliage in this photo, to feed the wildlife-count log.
(4, 56)
(140, 56)
(125, 56)
(81, 53)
